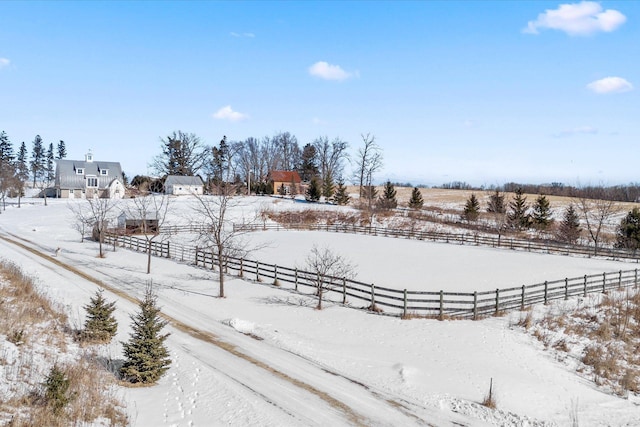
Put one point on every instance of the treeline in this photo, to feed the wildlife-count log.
(617, 193)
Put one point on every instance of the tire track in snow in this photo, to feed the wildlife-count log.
(351, 415)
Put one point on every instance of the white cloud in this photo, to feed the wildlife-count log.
(577, 19)
(610, 85)
(227, 113)
(4, 62)
(582, 130)
(249, 35)
(318, 121)
(327, 71)
(470, 124)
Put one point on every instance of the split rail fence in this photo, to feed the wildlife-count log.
(393, 302)
(545, 246)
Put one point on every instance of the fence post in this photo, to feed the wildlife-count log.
(196, 256)
(635, 279)
(522, 298)
(373, 297)
(475, 305)
(546, 288)
(566, 288)
(296, 279)
(241, 267)
(344, 290)
(604, 282)
(405, 304)
(619, 279)
(275, 275)
(497, 301)
(168, 249)
(585, 285)
(441, 304)
(257, 271)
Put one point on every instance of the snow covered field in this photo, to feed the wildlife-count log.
(264, 356)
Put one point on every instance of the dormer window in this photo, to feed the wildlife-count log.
(79, 171)
(104, 172)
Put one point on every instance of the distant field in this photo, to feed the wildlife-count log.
(452, 198)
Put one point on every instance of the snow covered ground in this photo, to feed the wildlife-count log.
(264, 356)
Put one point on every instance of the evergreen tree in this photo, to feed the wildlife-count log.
(328, 187)
(100, 325)
(22, 170)
(471, 208)
(56, 388)
(7, 167)
(388, 198)
(38, 160)
(541, 215)
(62, 150)
(569, 229)
(518, 217)
(146, 357)
(314, 191)
(341, 197)
(50, 168)
(628, 234)
(308, 163)
(496, 203)
(416, 201)
(6, 149)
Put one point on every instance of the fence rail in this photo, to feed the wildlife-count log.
(395, 302)
(533, 245)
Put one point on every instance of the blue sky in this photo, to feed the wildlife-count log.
(483, 92)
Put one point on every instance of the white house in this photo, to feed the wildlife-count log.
(88, 178)
(183, 185)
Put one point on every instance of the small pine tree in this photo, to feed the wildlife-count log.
(541, 215)
(628, 234)
(341, 197)
(100, 325)
(146, 357)
(471, 208)
(388, 198)
(518, 217)
(496, 203)
(416, 201)
(314, 191)
(56, 387)
(569, 228)
(328, 187)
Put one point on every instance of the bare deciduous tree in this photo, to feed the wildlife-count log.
(97, 213)
(369, 161)
(326, 268)
(82, 217)
(217, 233)
(596, 213)
(150, 212)
(330, 156)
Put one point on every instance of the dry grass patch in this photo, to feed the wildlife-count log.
(41, 340)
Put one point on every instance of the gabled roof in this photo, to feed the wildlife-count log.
(285, 176)
(182, 180)
(67, 177)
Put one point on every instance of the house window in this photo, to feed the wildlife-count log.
(80, 171)
(92, 181)
(104, 172)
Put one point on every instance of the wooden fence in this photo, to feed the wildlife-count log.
(530, 245)
(394, 302)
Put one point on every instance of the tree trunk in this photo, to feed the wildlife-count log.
(149, 257)
(221, 275)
